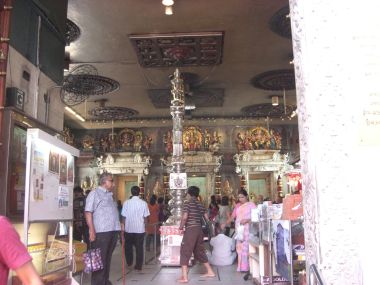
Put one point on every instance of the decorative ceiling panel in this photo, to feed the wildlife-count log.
(112, 113)
(267, 110)
(281, 79)
(280, 23)
(178, 49)
(201, 97)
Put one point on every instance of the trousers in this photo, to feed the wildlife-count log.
(106, 242)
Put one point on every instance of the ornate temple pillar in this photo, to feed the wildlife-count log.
(177, 110)
(336, 48)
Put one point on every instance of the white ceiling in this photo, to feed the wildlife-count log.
(250, 48)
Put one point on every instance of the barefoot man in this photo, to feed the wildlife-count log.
(192, 241)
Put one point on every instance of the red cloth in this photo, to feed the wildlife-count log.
(13, 253)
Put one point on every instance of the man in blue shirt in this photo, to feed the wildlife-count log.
(103, 223)
(134, 218)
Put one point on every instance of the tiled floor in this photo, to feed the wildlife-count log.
(155, 274)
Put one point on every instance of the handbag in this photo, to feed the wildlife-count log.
(92, 260)
(205, 226)
(239, 232)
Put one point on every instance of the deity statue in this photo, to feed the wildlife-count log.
(215, 142)
(168, 142)
(104, 144)
(248, 141)
(68, 136)
(239, 142)
(137, 144)
(147, 142)
(88, 142)
(207, 139)
(227, 189)
(157, 189)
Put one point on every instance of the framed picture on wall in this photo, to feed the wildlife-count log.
(54, 162)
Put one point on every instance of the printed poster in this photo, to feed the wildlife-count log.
(70, 169)
(38, 176)
(63, 169)
(63, 197)
(281, 247)
(54, 162)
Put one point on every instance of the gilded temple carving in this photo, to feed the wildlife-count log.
(68, 136)
(257, 139)
(195, 139)
(112, 141)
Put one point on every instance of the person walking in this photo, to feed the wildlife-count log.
(134, 214)
(192, 241)
(103, 222)
(224, 215)
(153, 227)
(242, 214)
(15, 256)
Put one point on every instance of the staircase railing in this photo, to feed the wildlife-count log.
(315, 273)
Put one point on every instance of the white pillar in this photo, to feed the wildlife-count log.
(336, 48)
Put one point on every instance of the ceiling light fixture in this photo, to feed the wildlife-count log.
(168, 2)
(79, 117)
(190, 106)
(168, 6)
(169, 10)
(274, 100)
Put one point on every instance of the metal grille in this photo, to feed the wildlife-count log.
(267, 110)
(84, 81)
(72, 32)
(281, 79)
(112, 113)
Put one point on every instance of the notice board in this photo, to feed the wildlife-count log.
(49, 178)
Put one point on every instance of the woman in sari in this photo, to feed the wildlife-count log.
(242, 216)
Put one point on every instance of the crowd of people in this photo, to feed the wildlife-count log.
(140, 219)
(98, 221)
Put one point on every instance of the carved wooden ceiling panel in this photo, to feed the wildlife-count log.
(178, 49)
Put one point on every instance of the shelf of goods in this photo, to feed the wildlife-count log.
(276, 251)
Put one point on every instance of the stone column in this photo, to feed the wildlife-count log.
(336, 47)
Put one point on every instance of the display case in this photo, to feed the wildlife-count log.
(48, 210)
(13, 166)
(288, 249)
(276, 249)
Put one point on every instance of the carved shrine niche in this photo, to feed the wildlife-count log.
(269, 163)
(195, 139)
(258, 138)
(125, 140)
(178, 49)
(126, 163)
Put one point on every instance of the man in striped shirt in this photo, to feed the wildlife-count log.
(192, 241)
(134, 214)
